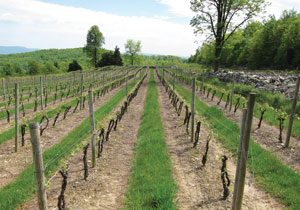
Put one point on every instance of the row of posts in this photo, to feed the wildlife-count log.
(245, 132)
(292, 114)
(17, 101)
(242, 154)
(243, 149)
(37, 151)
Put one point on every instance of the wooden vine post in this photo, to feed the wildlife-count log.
(4, 88)
(292, 115)
(243, 153)
(126, 82)
(173, 82)
(92, 119)
(81, 91)
(41, 92)
(74, 78)
(202, 83)
(231, 97)
(38, 163)
(16, 116)
(193, 109)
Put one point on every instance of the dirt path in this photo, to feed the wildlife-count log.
(198, 187)
(12, 164)
(107, 182)
(266, 136)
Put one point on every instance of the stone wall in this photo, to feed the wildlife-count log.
(274, 82)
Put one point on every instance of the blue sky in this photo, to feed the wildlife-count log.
(124, 7)
(148, 8)
(161, 25)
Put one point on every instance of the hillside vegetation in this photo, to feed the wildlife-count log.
(57, 61)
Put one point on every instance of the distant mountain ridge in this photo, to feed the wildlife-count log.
(14, 49)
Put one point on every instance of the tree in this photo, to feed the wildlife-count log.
(107, 59)
(222, 18)
(34, 67)
(74, 66)
(132, 48)
(50, 68)
(111, 59)
(94, 42)
(117, 57)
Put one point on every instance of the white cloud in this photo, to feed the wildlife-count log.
(277, 6)
(44, 25)
(179, 8)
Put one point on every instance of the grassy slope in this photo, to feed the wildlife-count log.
(151, 185)
(275, 177)
(23, 187)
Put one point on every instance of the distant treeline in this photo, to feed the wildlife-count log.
(273, 44)
(60, 60)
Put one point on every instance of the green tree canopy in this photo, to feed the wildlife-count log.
(74, 66)
(273, 44)
(221, 18)
(111, 59)
(94, 42)
(117, 57)
(133, 48)
(35, 67)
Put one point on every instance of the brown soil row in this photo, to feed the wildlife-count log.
(201, 187)
(107, 182)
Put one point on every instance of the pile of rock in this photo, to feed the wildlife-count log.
(271, 81)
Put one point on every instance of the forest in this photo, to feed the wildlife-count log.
(271, 44)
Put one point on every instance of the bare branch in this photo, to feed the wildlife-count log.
(237, 26)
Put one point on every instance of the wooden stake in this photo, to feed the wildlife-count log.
(231, 97)
(126, 82)
(4, 88)
(237, 174)
(243, 154)
(16, 116)
(74, 78)
(81, 91)
(292, 115)
(193, 109)
(173, 83)
(41, 92)
(202, 83)
(92, 119)
(39, 166)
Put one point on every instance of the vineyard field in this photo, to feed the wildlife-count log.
(141, 138)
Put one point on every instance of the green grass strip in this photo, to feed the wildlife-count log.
(151, 185)
(270, 173)
(24, 186)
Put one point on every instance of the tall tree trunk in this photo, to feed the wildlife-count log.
(218, 50)
(219, 36)
(95, 57)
